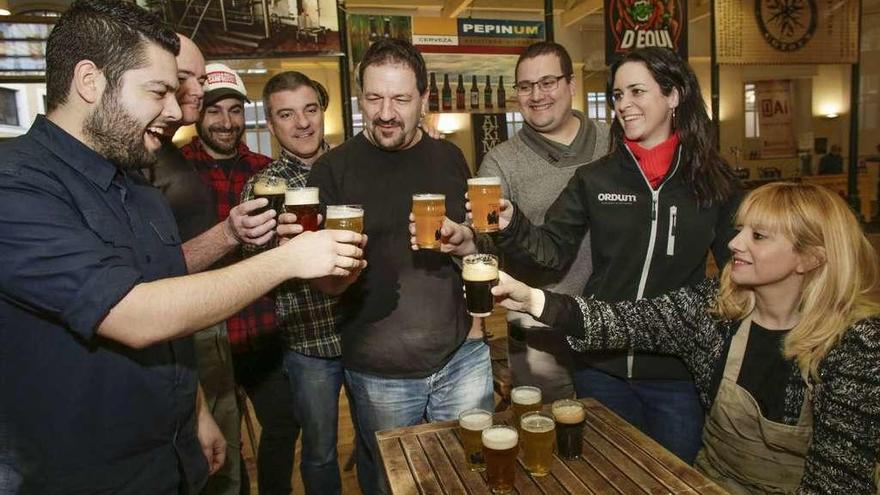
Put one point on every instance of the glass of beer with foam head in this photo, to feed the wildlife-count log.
(272, 188)
(537, 442)
(569, 415)
(345, 217)
(303, 202)
(484, 193)
(428, 210)
(471, 423)
(480, 274)
(524, 399)
(500, 446)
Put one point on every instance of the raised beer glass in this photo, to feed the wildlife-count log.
(569, 415)
(471, 423)
(303, 202)
(484, 193)
(480, 274)
(428, 210)
(524, 399)
(500, 446)
(345, 217)
(272, 188)
(537, 442)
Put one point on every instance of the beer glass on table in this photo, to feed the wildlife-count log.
(569, 415)
(524, 399)
(537, 442)
(471, 423)
(484, 194)
(480, 274)
(272, 188)
(345, 217)
(500, 446)
(429, 211)
(303, 202)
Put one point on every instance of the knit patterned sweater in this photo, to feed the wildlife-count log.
(844, 453)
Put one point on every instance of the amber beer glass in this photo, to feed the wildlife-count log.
(537, 441)
(569, 415)
(272, 188)
(500, 446)
(471, 423)
(484, 193)
(303, 202)
(480, 274)
(345, 217)
(524, 399)
(428, 210)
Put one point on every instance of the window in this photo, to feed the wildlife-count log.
(357, 118)
(751, 113)
(597, 107)
(257, 134)
(9, 107)
(514, 123)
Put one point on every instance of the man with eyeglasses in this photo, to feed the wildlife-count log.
(534, 166)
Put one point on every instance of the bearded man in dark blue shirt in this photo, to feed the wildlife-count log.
(97, 373)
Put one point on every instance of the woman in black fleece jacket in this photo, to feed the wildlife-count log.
(784, 347)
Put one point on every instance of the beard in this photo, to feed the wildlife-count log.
(118, 136)
(207, 136)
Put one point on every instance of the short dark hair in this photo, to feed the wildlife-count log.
(546, 48)
(395, 51)
(292, 80)
(111, 33)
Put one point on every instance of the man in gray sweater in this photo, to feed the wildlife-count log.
(534, 167)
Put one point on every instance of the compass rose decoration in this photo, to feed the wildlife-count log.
(787, 25)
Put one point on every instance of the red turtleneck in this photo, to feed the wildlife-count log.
(654, 162)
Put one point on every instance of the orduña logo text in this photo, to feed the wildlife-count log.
(617, 198)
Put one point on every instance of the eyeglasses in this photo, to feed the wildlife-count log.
(546, 84)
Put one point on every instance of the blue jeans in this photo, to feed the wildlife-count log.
(382, 403)
(668, 411)
(315, 383)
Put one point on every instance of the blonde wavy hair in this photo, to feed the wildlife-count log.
(836, 294)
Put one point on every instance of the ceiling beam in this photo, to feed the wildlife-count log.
(452, 8)
(579, 11)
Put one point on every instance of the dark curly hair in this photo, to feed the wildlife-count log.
(395, 51)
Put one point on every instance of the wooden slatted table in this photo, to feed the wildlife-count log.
(617, 459)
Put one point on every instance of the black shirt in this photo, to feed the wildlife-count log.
(405, 316)
(764, 372)
(80, 413)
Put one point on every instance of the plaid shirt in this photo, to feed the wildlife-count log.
(251, 326)
(307, 317)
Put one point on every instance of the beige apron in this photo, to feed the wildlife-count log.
(743, 451)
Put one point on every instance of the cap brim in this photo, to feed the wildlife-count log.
(216, 95)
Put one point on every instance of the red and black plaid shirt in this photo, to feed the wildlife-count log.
(249, 327)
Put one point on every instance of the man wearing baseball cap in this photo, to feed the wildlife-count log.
(253, 345)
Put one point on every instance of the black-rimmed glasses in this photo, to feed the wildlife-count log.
(546, 84)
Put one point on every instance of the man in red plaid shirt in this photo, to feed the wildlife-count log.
(225, 164)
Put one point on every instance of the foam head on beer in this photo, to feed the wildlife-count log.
(567, 413)
(525, 395)
(500, 438)
(479, 268)
(477, 420)
(302, 196)
(270, 186)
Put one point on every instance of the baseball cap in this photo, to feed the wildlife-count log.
(223, 82)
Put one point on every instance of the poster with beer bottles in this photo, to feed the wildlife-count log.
(364, 29)
(631, 24)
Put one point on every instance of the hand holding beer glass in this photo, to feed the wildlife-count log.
(471, 424)
(500, 446)
(480, 274)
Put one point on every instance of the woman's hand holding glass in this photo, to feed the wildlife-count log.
(517, 296)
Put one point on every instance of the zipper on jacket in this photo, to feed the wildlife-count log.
(670, 239)
(655, 200)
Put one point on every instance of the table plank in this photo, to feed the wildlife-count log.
(475, 483)
(423, 473)
(400, 478)
(441, 463)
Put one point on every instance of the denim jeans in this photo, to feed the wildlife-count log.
(382, 403)
(315, 383)
(261, 373)
(668, 411)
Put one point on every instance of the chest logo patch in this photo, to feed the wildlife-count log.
(616, 198)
